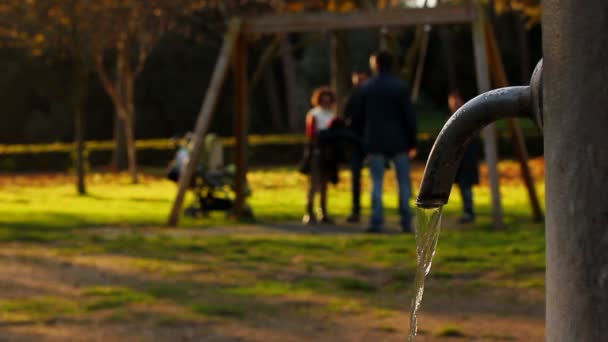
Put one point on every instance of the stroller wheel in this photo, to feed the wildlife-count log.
(247, 214)
(191, 212)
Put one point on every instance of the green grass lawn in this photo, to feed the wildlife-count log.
(214, 268)
(52, 206)
(432, 121)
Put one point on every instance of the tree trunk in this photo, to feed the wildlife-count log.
(127, 121)
(421, 62)
(383, 39)
(119, 160)
(447, 53)
(448, 57)
(266, 61)
(127, 94)
(524, 47)
(340, 69)
(79, 128)
(274, 105)
(77, 101)
(294, 120)
(411, 54)
(492, 13)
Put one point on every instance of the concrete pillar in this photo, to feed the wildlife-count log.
(575, 44)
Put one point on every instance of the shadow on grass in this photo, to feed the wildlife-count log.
(43, 228)
(303, 278)
(350, 267)
(118, 295)
(48, 227)
(126, 199)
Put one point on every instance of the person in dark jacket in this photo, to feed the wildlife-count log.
(389, 125)
(468, 171)
(352, 113)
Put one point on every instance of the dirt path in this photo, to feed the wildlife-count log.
(45, 272)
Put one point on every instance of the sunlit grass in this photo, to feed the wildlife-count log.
(246, 275)
(278, 195)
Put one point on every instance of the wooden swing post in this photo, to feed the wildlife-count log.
(517, 137)
(489, 132)
(204, 117)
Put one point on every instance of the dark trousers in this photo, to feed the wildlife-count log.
(356, 165)
(318, 184)
(466, 191)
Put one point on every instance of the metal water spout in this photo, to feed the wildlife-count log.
(457, 133)
(575, 134)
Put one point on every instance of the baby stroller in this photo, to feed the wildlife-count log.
(213, 182)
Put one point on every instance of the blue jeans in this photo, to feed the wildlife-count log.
(356, 165)
(377, 164)
(466, 191)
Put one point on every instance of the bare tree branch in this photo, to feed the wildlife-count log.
(112, 89)
(266, 58)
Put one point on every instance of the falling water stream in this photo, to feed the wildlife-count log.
(427, 233)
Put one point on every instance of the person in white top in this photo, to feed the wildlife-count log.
(319, 118)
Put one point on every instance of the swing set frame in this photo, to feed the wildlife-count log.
(488, 67)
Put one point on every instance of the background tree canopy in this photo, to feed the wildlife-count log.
(169, 90)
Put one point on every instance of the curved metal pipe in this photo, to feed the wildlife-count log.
(458, 132)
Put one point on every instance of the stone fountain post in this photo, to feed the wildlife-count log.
(575, 80)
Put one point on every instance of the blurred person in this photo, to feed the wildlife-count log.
(318, 120)
(389, 134)
(182, 156)
(468, 171)
(352, 115)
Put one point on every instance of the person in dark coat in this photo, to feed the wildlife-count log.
(389, 133)
(468, 171)
(352, 113)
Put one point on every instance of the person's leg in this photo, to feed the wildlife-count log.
(315, 175)
(356, 166)
(402, 168)
(310, 200)
(466, 192)
(323, 193)
(376, 167)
